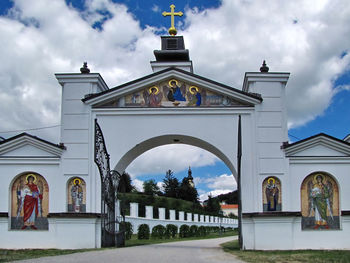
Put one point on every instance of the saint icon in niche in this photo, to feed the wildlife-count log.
(153, 97)
(30, 204)
(176, 93)
(320, 207)
(76, 195)
(272, 200)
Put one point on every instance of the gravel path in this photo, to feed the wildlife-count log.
(197, 251)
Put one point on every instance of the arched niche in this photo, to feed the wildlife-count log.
(272, 194)
(29, 202)
(319, 202)
(76, 195)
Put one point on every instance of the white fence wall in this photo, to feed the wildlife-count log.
(199, 220)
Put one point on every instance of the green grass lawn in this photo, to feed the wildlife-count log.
(315, 256)
(7, 255)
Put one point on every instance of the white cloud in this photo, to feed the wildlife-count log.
(217, 185)
(222, 182)
(138, 184)
(213, 193)
(156, 8)
(174, 157)
(296, 36)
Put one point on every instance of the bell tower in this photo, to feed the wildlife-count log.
(173, 52)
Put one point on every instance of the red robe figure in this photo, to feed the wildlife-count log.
(31, 204)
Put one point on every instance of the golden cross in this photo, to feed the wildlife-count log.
(172, 30)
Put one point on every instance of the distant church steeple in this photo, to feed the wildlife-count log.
(189, 177)
(173, 52)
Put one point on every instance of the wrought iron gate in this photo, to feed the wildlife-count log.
(112, 234)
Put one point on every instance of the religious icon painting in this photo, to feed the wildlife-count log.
(29, 202)
(76, 195)
(272, 194)
(319, 202)
(173, 93)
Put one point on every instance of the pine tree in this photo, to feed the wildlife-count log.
(125, 185)
(171, 185)
(150, 187)
(213, 205)
(187, 191)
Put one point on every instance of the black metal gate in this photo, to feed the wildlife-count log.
(112, 234)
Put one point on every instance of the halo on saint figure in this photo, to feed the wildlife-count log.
(31, 175)
(176, 82)
(76, 180)
(151, 88)
(316, 176)
(271, 179)
(192, 88)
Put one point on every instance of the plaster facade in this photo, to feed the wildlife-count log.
(130, 131)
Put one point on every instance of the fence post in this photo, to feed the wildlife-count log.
(172, 215)
(134, 209)
(149, 212)
(181, 215)
(161, 213)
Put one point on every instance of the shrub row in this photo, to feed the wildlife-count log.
(170, 231)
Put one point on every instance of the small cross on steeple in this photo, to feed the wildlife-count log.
(172, 30)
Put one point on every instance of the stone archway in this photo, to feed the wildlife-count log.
(146, 145)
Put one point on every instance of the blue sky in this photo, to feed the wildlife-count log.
(301, 37)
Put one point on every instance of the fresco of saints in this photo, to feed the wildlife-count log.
(153, 97)
(77, 195)
(30, 200)
(195, 98)
(175, 92)
(272, 193)
(320, 201)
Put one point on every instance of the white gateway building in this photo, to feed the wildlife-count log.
(294, 196)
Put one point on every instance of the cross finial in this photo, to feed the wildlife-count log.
(172, 30)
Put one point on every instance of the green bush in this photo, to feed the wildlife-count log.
(170, 231)
(127, 227)
(184, 231)
(143, 232)
(158, 232)
(202, 231)
(193, 231)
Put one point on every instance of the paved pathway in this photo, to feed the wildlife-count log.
(197, 251)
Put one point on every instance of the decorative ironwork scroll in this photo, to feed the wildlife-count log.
(110, 220)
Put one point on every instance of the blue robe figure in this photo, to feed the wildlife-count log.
(199, 99)
(175, 93)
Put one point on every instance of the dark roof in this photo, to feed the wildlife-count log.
(60, 146)
(284, 146)
(90, 96)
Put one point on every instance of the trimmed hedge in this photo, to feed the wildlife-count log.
(127, 227)
(202, 231)
(193, 231)
(184, 231)
(171, 231)
(158, 232)
(143, 232)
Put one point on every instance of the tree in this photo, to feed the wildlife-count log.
(125, 185)
(171, 185)
(213, 205)
(150, 187)
(188, 192)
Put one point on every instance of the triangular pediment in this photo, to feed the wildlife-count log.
(321, 145)
(173, 88)
(28, 146)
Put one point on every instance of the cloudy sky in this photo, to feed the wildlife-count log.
(226, 38)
